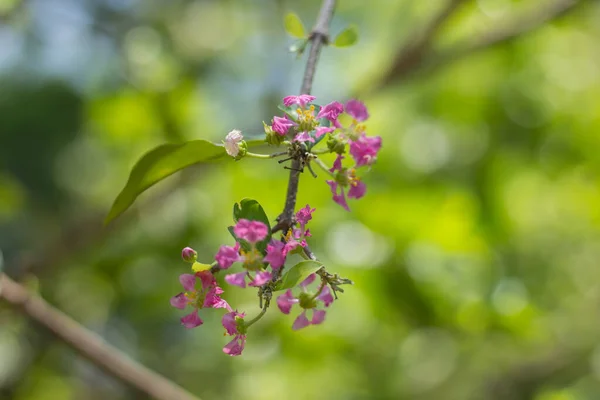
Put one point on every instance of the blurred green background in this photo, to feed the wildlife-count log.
(474, 253)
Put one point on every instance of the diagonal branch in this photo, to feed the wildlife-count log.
(421, 59)
(318, 37)
(90, 345)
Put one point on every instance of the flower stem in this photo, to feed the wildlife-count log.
(323, 166)
(323, 283)
(259, 316)
(254, 155)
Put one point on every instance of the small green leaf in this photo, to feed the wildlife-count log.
(347, 37)
(290, 112)
(159, 163)
(250, 209)
(298, 273)
(294, 26)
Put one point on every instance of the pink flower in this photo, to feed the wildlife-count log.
(301, 100)
(227, 255)
(307, 302)
(357, 110)
(281, 125)
(231, 322)
(205, 297)
(347, 177)
(275, 254)
(321, 130)
(331, 111)
(364, 150)
(303, 137)
(304, 215)
(251, 231)
(188, 254)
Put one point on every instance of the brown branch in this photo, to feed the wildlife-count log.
(318, 37)
(423, 60)
(89, 344)
(412, 54)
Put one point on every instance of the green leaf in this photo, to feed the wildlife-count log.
(298, 273)
(347, 37)
(290, 112)
(293, 26)
(159, 163)
(250, 209)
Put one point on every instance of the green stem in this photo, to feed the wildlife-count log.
(323, 166)
(259, 316)
(321, 151)
(254, 155)
(323, 283)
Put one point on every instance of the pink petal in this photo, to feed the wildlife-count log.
(188, 281)
(207, 279)
(301, 321)
(238, 279)
(310, 279)
(261, 278)
(236, 346)
(357, 110)
(357, 190)
(322, 130)
(318, 317)
(285, 301)
(337, 164)
(325, 296)
(191, 320)
(179, 301)
(229, 322)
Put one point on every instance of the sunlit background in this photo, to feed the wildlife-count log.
(474, 253)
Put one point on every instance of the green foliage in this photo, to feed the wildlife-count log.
(298, 273)
(160, 163)
(293, 26)
(347, 37)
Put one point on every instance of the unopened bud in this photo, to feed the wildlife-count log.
(189, 255)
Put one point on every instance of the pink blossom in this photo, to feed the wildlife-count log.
(331, 111)
(236, 346)
(364, 150)
(238, 279)
(321, 130)
(287, 300)
(275, 254)
(227, 255)
(309, 279)
(325, 296)
(251, 231)
(357, 110)
(318, 317)
(205, 297)
(304, 215)
(188, 254)
(261, 278)
(281, 125)
(303, 137)
(301, 100)
(229, 322)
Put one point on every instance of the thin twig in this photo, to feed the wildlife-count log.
(90, 345)
(318, 37)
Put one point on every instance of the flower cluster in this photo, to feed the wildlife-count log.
(255, 255)
(309, 124)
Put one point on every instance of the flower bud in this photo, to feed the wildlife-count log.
(273, 137)
(336, 145)
(189, 255)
